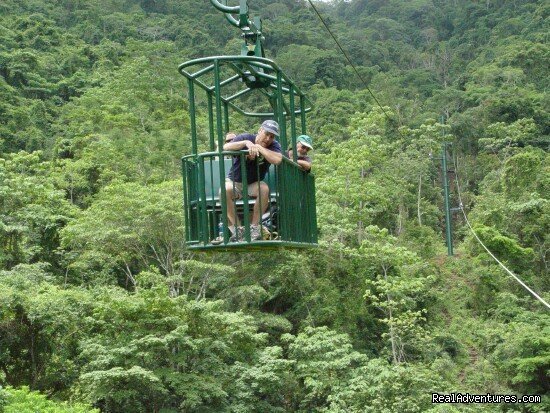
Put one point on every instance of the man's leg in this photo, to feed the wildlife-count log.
(262, 199)
(229, 193)
(229, 197)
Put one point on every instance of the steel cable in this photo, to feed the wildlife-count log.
(461, 206)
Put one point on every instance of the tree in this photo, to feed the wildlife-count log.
(267, 385)
(22, 400)
(323, 360)
(32, 211)
(152, 352)
(523, 355)
(396, 285)
(381, 387)
(319, 66)
(514, 205)
(40, 328)
(348, 197)
(501, 136)
(131, 227)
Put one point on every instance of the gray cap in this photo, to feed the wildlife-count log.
(271, 126)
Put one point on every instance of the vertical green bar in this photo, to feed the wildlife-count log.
(283, 209)
(291, 187)
(192, 117)
(217, 93)
(212, 206)
(234, 201)
(210, 123)
(280, 199)
(259, 199)
(310, 206)
(268, 179)
(292, 124)
(311, 202)
(212, 194)
(275, 180)
(193, 198)
(303, 114)
(299, 204)
(306, 199)
(203, 218)
(285, 188)
(226, 117)
(314, 210)
(223, 199)
(304, 207)
(246, 207)
(186, 205)
(291, 201)
(280, 112)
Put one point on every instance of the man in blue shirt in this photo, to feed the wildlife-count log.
(265, 150)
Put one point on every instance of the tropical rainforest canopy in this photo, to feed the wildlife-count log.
(103, 309)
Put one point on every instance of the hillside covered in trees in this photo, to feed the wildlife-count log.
(103, 309)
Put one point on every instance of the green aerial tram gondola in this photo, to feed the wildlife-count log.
(230, 83)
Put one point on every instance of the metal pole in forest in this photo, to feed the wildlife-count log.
(448, 229)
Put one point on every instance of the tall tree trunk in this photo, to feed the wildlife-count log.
(392, 332)
(400, 218)
(33, 358)
(129, 276)
(361, 206)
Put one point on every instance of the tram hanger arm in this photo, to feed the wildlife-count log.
(243, 22)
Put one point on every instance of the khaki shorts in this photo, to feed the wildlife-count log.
(238, 189)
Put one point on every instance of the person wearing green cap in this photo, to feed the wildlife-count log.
(303, 146)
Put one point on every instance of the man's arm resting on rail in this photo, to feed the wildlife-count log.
(305, 165)
(237, 146)
(272, 157)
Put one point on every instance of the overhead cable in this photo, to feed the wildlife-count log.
(487, 249)
(348, 59)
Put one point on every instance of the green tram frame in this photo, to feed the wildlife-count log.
(292, 190)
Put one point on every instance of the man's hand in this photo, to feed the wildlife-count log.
(305, 165)
(272, 157)
(253, 150)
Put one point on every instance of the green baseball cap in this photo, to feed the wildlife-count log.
(305, 140)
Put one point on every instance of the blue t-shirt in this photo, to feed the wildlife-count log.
(251, 171)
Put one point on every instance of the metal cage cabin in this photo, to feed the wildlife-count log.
(228, 81)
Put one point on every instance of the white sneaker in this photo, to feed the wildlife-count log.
(237, 234)
(217, 241)
(255, 233)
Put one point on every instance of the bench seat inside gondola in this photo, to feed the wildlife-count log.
(212, 184)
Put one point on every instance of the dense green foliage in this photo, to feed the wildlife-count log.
(25, 401)
(103, 309)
